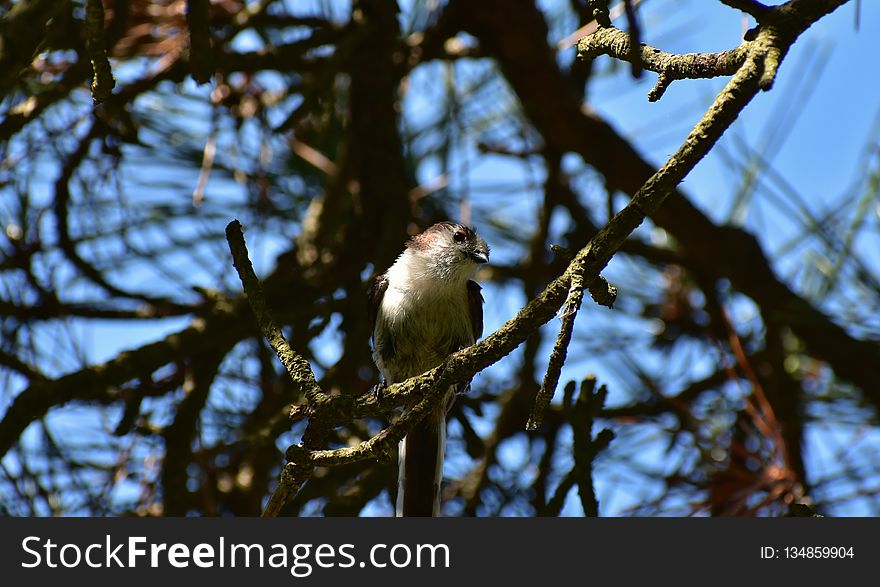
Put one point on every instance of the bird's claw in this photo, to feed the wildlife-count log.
(378, 390)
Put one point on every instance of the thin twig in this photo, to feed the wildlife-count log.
(93, 28)
(586, 448)
(299, 369)
(635, 38)
(752, 7)
(558, 355)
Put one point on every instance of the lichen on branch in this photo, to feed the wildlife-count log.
(670, 67)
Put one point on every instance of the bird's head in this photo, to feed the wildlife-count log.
(451, 249)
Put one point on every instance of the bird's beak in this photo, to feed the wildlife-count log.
(479, 257)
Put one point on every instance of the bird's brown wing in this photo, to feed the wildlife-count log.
(475, 305)
(374, 298)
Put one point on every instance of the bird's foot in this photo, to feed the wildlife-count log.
(378, 390)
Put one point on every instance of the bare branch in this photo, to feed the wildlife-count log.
(298, 368)
(558, 355)
(618, 44)
(102, 80)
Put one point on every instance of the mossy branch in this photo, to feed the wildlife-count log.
(763, 49)
(618, 44)
(558, 355)
(297, 367)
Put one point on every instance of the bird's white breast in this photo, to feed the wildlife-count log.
(426, 315)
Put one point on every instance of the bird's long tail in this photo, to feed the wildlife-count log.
(421, 467)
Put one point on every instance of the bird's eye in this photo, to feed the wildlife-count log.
(459, 236)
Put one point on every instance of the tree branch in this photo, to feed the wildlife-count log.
(20, 35)
(618, 44)
(558, 355)
(556, 114)
(93, 29)
(201, 49)
(751, 7)
(298, 368)
(761, 55)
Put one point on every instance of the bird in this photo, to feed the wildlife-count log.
(423, 308)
